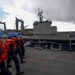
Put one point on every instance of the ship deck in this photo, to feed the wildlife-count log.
(47, 62)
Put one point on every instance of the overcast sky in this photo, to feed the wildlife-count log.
(61, 12)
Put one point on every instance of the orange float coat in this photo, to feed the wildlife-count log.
(14, 40)
(3, 56)
(7, 44)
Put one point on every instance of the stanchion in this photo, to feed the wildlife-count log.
(51, 46)
(60, 47)
(70, 44)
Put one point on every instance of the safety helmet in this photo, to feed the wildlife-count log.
(10, 35)
(20, 36)
(15, 34)
(1, 34)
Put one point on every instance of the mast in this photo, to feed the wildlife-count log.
(40, 12)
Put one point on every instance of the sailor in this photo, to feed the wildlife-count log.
(9, 45)
(17, 44)
(22, 45)
(3, 57)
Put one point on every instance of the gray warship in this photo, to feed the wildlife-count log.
(43, 32)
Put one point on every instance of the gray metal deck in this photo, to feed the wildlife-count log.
(48, 62)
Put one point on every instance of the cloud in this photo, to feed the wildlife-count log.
(56, 10)
(15, 10)
(64, 26)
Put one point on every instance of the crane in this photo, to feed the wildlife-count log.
(4, 25)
